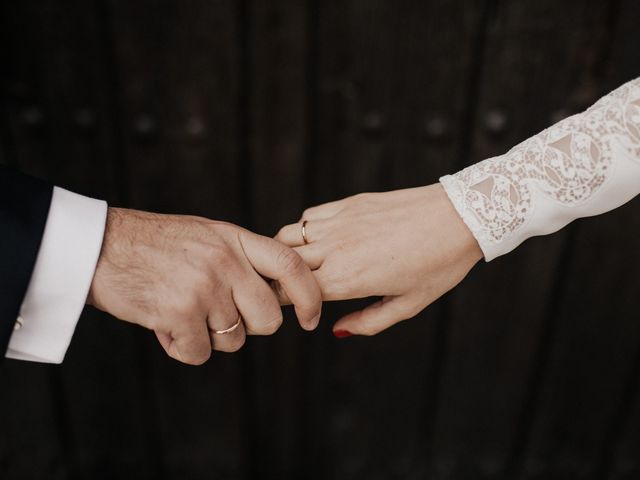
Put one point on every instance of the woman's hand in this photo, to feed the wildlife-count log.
(407, 246)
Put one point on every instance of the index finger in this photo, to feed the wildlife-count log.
(279, 262)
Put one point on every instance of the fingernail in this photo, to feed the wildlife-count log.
(316, 320)
(342, 333)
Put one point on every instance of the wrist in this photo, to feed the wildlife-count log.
(112, 225)
(466, 243)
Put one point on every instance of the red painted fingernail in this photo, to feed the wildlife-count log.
(342, 333)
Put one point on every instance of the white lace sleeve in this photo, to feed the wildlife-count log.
(584, 165)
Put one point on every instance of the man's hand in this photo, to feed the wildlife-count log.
(188, 277)
(408, 247)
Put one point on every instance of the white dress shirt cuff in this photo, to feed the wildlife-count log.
(61, 278)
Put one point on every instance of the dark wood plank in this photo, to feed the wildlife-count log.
(276, 110)
(434, 96)
(593, 357)
(498, 325)
(249, 111)
(102, 426)
(110, 425)
(380, 83)
(593, 354)
(178, 68)
(621, 448)
(333, 133)
(86, 139)
(32, 441)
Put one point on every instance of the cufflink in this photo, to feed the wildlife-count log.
(18, 324)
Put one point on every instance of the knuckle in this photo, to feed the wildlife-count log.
(236, 343)
(335, 290)
(220, 256)
(289, 261)
(308, 213)
(213, 283)
(369, 330)
(220, 229)
(271, 326)
(183, 308)
(406, 311)
(411, 312)
(281, 232)
(204, 281)
(201, 360)
(364, 198)
(360, 197)
(212, 278)
(198, 358)
(335, 282)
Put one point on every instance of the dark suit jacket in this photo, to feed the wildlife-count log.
(24, 207)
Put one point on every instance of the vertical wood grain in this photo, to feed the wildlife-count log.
(500, 313)
(178, 70)
(275, 184)
(251, 110)
(380, 84)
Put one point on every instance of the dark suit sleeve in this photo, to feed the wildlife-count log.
(24, 207)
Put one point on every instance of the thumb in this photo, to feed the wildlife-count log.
(375, 318)
(293, 277)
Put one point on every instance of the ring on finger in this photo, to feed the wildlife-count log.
(304, 233)
(230, 329)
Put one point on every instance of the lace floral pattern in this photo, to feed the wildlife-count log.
(569, 162)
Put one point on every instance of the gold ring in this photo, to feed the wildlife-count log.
(304, 233)
(230, 329)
